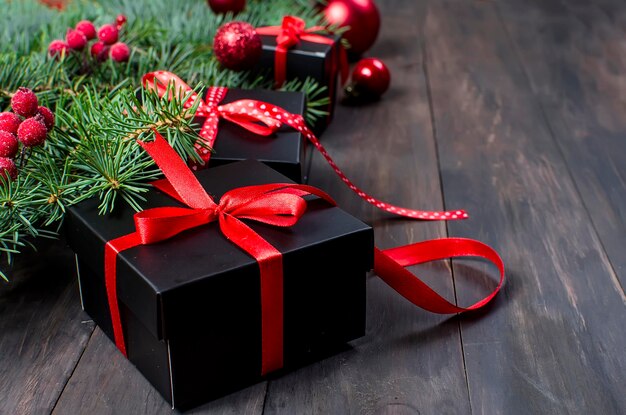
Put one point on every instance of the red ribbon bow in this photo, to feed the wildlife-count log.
(289, 34)
(239, 112)
(274, 204)
(246, 112)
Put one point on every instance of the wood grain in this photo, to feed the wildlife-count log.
(104, 382)
(553, 342)
(42, 332)
(574, 55)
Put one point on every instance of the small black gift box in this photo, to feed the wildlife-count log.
(190, 305)
(284, 151)
(308, 59)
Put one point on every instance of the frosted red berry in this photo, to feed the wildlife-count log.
(120, 20)
(8, 144)
(32, 132)
(96, 50)
(87, 28)
(58, 48)
(8, 169)
(9, 122)
(75, 40)
(24, 102)
(120, 52)
(108, 34)
(47, 116)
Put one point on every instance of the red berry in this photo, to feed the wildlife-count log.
(8, 144)
(75, 40)
(96, 48)
(24, 102)
(108, 34)
(120, 52)
(86, 28)
(8, 169)
(120, 20)
(9, 122)
(57, 48)
(32, 132)
(100, 51)
(48, 117)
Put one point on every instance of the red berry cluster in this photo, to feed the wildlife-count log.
(28, 124)
(105, 47)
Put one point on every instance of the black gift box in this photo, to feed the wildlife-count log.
(284, 151)
(190, 305)
(318, 61)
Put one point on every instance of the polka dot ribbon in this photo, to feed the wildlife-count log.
(265, 119)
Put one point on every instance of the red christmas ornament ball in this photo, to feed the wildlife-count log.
(8, 144)
(237, 46)
(87, 28)
(120, 52)
(372, 76)
(8, 169)
(108, 34)
(24, 102)
(75, 39)
(32, 132)
(226, 6)
(9, 122)
(363, 18)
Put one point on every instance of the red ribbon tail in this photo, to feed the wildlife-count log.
(111, 249)
(280, 66)
(389, 266)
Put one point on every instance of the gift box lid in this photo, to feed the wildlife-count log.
(151, 277)
(304, 47)
(283, 151)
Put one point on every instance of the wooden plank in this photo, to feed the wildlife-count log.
(104, 382)
(575, 57)
(42, 332)
(409, 361)
(554, 340)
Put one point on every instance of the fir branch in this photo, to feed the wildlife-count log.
(100, 109)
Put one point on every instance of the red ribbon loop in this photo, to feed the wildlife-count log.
(290, 33)
(389, 266)
(274, 204)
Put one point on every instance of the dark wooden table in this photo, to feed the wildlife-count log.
(513, 110)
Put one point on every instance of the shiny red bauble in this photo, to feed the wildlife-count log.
(363, 18)
(237, 46)
(225, 6)
(370, 79)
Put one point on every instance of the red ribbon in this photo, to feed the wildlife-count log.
(278, 205)
(247, 113)
(389, 266)
(290, 33)
(274, 204)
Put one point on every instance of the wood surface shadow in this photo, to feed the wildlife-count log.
(483, 281)
(46, 270)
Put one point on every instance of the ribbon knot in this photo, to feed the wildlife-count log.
(292, 28)
(290, 33)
